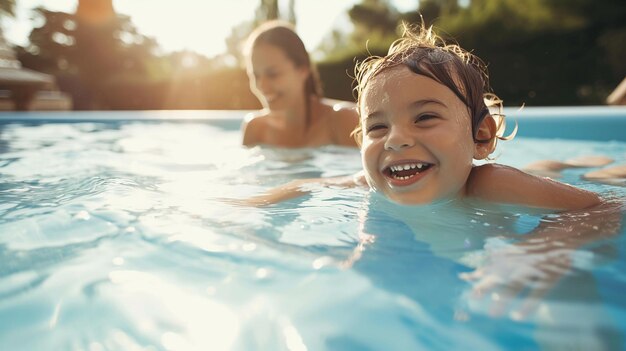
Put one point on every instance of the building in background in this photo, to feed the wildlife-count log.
(23, 89)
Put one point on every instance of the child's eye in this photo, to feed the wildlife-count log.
(375, 128)
(425, 117)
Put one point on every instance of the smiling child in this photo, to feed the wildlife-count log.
(426, 114)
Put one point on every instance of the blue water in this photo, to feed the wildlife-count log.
(118, 234)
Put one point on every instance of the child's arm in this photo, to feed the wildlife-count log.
(300, 187)
(503, 184)
(537, 263)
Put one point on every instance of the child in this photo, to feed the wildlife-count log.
(294, 113)
(424, 118)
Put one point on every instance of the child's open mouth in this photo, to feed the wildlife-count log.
(406, 171)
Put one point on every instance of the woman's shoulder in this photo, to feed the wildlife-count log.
(342, 120)
(253, 126)
(341, 112)
(256, 116)
(340, 106)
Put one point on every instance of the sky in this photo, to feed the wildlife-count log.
(198, 25)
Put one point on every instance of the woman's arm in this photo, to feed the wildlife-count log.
(508, 185)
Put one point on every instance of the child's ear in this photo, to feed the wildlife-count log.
(486, 131)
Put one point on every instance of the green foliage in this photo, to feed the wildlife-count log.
(545, 52)
(52, 47)
(374, 21)
(613, 43)
(539, 52)
(375, 28)
(267, 10)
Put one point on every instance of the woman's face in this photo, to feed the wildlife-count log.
(417, 144)
(274, 78)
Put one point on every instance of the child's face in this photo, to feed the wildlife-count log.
(417, 144)
(275, 79)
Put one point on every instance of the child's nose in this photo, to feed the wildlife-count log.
(398, 139)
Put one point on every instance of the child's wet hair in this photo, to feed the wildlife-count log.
(427, 54)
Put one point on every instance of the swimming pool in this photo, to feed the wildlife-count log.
(115, 235)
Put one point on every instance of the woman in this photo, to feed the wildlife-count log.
(295, 113)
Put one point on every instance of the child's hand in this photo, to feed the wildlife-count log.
(293, 189)
(297, 188)
(515, 269)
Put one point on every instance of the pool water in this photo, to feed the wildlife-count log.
(117, 232)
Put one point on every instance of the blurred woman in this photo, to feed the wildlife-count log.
(295, 113)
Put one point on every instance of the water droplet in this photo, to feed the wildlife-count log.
(322, 262)
(262, 273)
(82, 215)
(247, 247)
(467, 243)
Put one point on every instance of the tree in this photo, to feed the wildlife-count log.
(52, 47)
(373, 19)
(268, 10)
(544, 52)
(431, 10)
(88, 59)
(291, 15)
(7, 8)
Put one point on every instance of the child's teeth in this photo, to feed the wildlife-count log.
(407, 166)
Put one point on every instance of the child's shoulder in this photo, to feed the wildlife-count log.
(505, 184)
(487, 179)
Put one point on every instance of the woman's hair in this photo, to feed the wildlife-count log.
(426, 54)
(281, 35)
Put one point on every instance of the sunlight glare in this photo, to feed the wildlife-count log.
(189, 61)
(191, 25)
(293, 339)
(196, 322)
